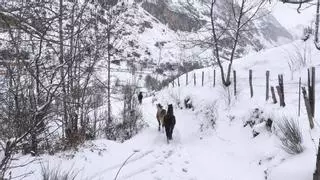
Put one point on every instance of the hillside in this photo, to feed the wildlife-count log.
(161, 34)
(199, 150)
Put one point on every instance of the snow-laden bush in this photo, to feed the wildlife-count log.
(290, 136)
(175, 97)
(210, 116)
(152, 83)
(130, 121)
(298, 57)
(57, 174)
(127, 128)
(256, 117)
(258, 121)
(188, 103)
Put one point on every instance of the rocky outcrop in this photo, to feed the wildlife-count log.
(272, 30)
(175, 20)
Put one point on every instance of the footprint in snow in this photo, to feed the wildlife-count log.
(168, 154)
(184, 170)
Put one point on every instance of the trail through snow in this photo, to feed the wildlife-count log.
(190, 155)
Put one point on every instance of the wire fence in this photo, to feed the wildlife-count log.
(200, 78)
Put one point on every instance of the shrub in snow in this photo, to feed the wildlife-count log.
(188, 66)
(210, 114)
(290, 136)
(258, 122)
(188, 103)
(159, 70)
(57, 174)
(131, 121)
(127, 129)
(298, 58)
(175, 96)
(256, 117)
(152, 83)
(154, 99)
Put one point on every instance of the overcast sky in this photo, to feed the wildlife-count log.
(287, 15)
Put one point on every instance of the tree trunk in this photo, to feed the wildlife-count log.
(109, 77)
(61, 61)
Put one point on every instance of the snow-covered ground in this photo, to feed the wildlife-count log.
(226, 152)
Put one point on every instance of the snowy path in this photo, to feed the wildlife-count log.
(227, 153)
(189, 155)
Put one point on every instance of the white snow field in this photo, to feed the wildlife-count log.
(198, 151)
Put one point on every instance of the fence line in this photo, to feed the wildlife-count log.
(272, 85)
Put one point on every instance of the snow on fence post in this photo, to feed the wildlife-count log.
(250, 83)
(308, 107)
(202, 78)
(273, 94)
(280, 90)
(194, 79)
(267, 85)
(235, 82)
(316, 174)
(299, 105)
(187, 79)
(214, 78)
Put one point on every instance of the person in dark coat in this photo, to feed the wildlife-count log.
(140, 96)
(169, 122)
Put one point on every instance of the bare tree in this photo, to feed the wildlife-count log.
(231, 30)
(37, 86)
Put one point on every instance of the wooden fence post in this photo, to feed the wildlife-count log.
(313, 70)
(178, 82)
(311, 89)
(250, 83)
(267, 85)
(235, 82)
(273, 94)
(280, 90)
(202, 77)
(299, 105)
(187, 79)
(194, 79)
(308, 107)
(316, 174)
(173, 83)
(214, 78)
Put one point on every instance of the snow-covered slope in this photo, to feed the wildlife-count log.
(159, 31)
(198, 151)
